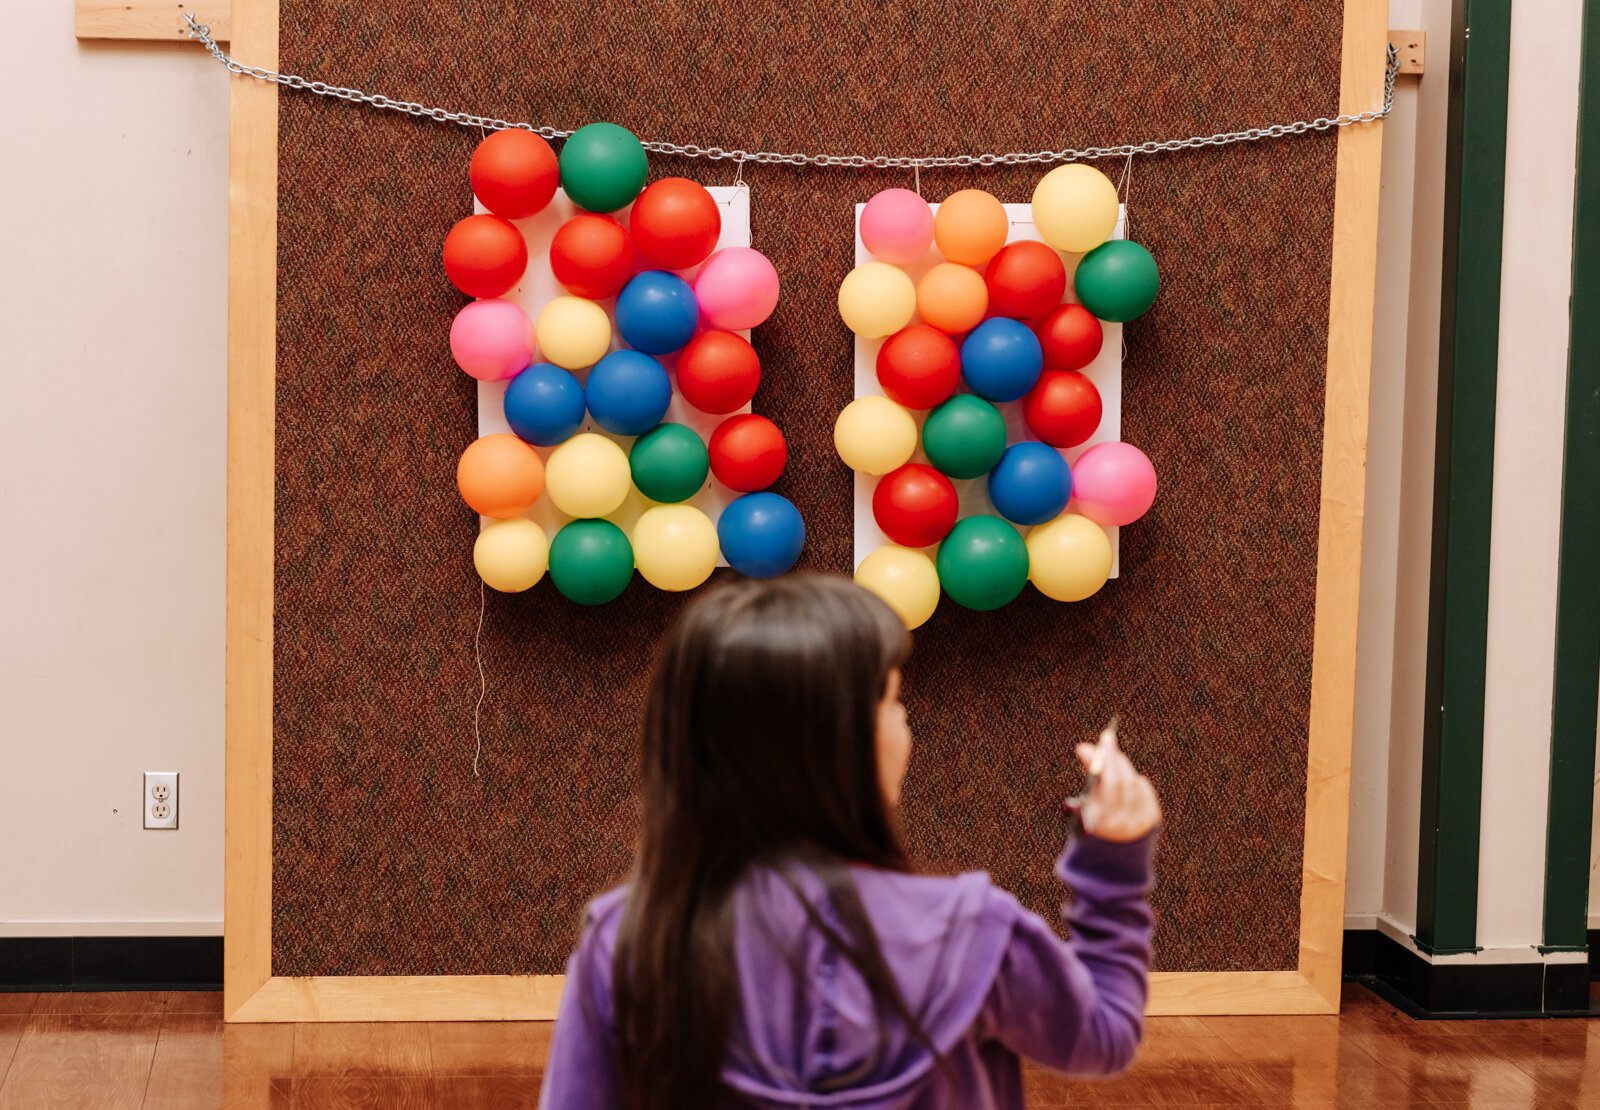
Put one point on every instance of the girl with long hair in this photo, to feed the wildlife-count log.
(773, 946)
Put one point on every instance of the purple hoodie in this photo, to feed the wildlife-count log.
(989, 981)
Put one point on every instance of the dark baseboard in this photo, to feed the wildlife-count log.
(1452, 990)
(110, 963)
(1592, 938)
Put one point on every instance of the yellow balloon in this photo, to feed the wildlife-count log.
(1069, 558)
(1075, 208)
(587, 476)
(905, 579)
(876, 300)
(675, 547)
(511, 555)
(874, 435)
(572, 332)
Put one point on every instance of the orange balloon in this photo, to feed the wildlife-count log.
(500, 476)
(952, 298)
(970, 227)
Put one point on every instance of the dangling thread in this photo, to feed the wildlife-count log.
(483, 685)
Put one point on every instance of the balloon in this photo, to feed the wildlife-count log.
(737, 288)
(511, 555)
(491, 340)
(591, 561)
(897, 226)
(718, 372)
(544, 405)
(1117, 280)
(1069, 558)
(573, 333)
(1070, 338)
(1025, 279)
(592, 256)
(514, 173)
(874, 435)
(1063, 409)
(919, 366)
(1031, 483)
(965, 436)
(675, 223)
(669, 463)
(915, 505)
(748, 452)
(500, 476)
(1113, 483)
(952, 297)
(905, 579)
(484, 256)
(603, 167)
(983, 563)
(1075, 208)
(970, 227)
(876, 299)
(761, 534)
(628, 393)
(587, 476)
(656, 312)
(1000, 359)
(675, 547)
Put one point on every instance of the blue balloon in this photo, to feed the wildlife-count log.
(657, 312)
(761, 534)
(1001, 359)
(1031, 483)
(628, 393)
(544, 405)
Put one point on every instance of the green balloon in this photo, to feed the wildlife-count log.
(964, 437)
(603, 167)
(983, 563)
(591, 561)
(1117, 280)
(669, 463)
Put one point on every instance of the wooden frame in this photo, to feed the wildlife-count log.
(252, 993)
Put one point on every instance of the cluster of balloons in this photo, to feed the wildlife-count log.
(985, 326)
(663, 317)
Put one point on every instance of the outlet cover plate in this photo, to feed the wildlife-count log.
(153, 802)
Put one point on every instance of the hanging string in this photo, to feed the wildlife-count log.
(200, 32)
(483, 685)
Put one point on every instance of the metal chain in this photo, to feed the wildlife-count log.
(201, 32)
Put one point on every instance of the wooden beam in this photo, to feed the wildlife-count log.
(151, 20)
(1413, 48)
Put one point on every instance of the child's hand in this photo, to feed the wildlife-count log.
(1122, 807)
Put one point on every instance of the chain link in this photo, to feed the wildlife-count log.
(202, 33)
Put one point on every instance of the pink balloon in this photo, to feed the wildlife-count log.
(1113, 483)
(897, 226)
(737, 288)
(492, 340)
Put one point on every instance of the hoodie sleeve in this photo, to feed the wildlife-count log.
(581, 1071)
(1078, 1006)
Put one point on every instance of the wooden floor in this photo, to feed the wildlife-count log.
(161, 1051)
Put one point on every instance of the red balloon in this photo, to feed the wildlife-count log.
(484, 256)
(1025, 279)
(1063, 409)
(514, 173)
(747, 452)
(718, 372)
(592, 256)
(915, 506)
(1071, 338)
(675, 224)
(919, 367)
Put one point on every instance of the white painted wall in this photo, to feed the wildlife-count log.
(112, 435)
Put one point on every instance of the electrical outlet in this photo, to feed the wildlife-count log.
(161, 799)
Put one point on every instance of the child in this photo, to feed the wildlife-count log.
(774, 947)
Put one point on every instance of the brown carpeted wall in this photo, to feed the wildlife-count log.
(390, 858)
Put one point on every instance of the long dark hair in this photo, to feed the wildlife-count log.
(759, 749)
